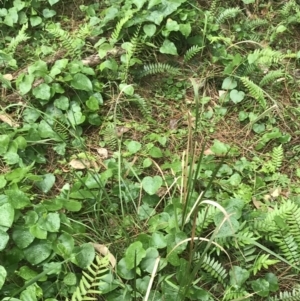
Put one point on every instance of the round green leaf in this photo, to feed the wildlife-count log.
(7, 214)
(219, 148)
(35, 21)
(126, 89)
(22, 237)
(2, 181)
(261, 287)
(123, 271)
(4, 142)
(134, 146)
(238, 276)
(149, 29)
(229, 83)
(47, 183)
(37, 232)
(273, 282)
(152, 184)
(158, 240)
(236, 96)
(155, 152)
(81, 82)
(168, 47)
(52, 2)
(50, 222)
(26, 273)
(48, 13)
(62, 102)
(3, 239)
(3, 275)
(147, 264)
(70, 279)
(134, 254)
(85, 255)
(38, 252)
(42, 91)
(64, 245)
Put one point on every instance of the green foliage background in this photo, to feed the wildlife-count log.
(148, 150)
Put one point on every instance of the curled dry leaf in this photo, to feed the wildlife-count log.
(8, 76)
(173, 124)
(121, 130)
(102, 152)
(80, 163)
(208, 152)
(7, 119)
(103, 250)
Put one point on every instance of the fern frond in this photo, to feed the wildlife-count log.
(228, 13)
(294, 295)
(288, 8)
(271, 76)
(214, 268)
(116, 33)
(205, 218)
(277, 157)
(73, 45)
(255, 91)
(152, 69)
(21, 37)
(235, 293)
(252, 24)
(142, 104)
(282, 226)
(61, 129)
(110, 136)
(191, 52)
(213, 7)
(91, 279)
(261, 262)
(245, 69)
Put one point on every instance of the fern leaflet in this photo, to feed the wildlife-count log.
(192, 52)
(271, 76)
(254, 90)
(152, 69)
(91, 279)
(228, 14)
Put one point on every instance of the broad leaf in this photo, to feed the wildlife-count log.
(81, 82)
(3, 275)
(39, 251)
(134, 254)
(7, 214)
(152, 184)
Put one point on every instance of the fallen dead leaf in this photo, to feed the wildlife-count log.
(7, 119)
(103, 250)
(80, 164)
(8, 76)
(102, 152)
(257, 204)
(208, 152)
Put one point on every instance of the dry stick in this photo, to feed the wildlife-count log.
(152, 278)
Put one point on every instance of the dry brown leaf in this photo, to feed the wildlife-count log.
(102, 152)
(173, 124)
(8, 76)
(257, 204)
(121, 130)
(7, 119)
(208, 152)
(103, 250)
(80, 163)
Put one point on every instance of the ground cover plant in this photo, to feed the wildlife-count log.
(149, 150)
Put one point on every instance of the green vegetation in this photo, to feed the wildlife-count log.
(149, 150)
